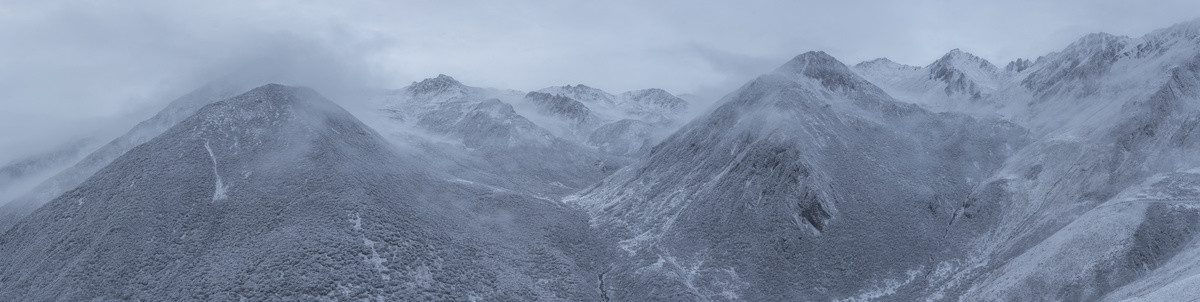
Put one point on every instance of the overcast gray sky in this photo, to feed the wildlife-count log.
(69, 68)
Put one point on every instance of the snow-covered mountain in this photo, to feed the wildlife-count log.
(630, 120)
(1073, 176)
(1109, 180)
(78, 170)
(958, 81)
(536, 142)
(653, 105)
(278, 194)
(802, 185)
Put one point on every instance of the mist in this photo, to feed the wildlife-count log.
(93, 69)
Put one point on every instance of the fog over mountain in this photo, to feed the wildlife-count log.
(76, 70)
(1068, 175)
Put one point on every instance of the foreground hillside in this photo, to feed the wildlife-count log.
(1074, 176)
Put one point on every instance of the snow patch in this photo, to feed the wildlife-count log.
(376, 261)
(887, 287)
(219, 192)
(357, 221)
(630, 245)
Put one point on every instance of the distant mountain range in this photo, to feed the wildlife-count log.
(1073, 176)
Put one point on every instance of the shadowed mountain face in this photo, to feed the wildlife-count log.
(278, 194)
(1067, 178)
(803, 185)
(1095, 183)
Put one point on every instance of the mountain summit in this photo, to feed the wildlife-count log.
(792, 176)
(279, 194)
(964, 73)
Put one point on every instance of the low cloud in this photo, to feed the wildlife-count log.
(75, 69)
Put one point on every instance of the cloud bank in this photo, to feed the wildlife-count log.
(78, 68)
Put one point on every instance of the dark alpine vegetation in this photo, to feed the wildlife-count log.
(1071, 176)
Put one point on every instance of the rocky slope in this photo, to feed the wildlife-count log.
(802, 185)
(79, 169)
(1070, 177)
(1074, 176)
(278, 194)
(548, 143)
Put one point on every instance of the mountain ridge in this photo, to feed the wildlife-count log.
(1074, 176)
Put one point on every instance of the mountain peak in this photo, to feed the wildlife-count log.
(580, 93)
(657, 97)
(579, 89)
(269, 106)
(433, 85)
(814, 64)
(962, 59)
(275, 88)
(277, 95)
(820, 66)
(884, 66)
(1187, 30)
(1095, 41)
(1018, 65)
(882, 63)
(652, 92)
(878, 61)
(959, 53)
(809, 60)
(1090, 56)
(963, 73)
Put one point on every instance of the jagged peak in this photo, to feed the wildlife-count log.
(1018, 65)
(878, 61)
(436, 84)
(1187, 30)
(580, 92)
(1095, 41)
(959, 59)
(1090, 56)
(657, 97)
(651, 92)
(559, 105)
(444, 78)
(882, 63)
(538, 95)
(579, 88)
(543, 98)
(958, 53)
(495, 108)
